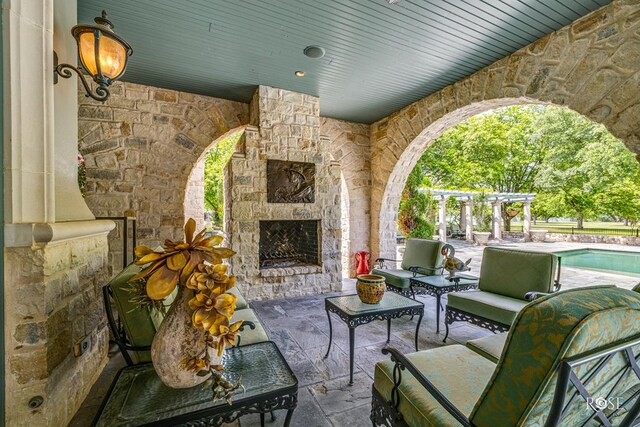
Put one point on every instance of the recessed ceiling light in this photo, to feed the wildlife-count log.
(314, 51)
(299, 73)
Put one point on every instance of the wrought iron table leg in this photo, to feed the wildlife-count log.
(287, 420)
(352, 339)
(388, 330)
(418, 328)
(261, 419)
(437, 313)
(330, 334)
(446, 325)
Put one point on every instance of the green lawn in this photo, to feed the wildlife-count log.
(587, 224)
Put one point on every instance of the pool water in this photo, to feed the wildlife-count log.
(601, 259)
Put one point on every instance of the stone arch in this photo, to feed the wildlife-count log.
(194, 190)
(140, 147)
(591, 66)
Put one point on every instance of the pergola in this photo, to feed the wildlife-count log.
(466, 211)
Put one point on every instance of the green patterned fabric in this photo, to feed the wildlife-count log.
(513, 273)
(489, 347)
(422, 253)
(397, 278)
(546, 331)
(249, 336)
(459, 373)
(489, 305)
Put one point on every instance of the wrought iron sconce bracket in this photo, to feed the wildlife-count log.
(64, 71)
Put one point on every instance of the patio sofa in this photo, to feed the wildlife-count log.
(134, 328)
(420, 256)
(564, 352)
(506, 276)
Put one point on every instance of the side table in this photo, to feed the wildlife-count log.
(139, 398)
(355, 313)
(437, 286)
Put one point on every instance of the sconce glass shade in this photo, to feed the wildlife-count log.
(103, 54)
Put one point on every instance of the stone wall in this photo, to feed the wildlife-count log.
(591, 66)
(350, 147)
(55, 297)
(284, 126)
(140, 147)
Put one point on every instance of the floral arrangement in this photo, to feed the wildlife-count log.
(195, 264)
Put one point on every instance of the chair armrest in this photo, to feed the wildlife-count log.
(534, 295)
(248, 323)
(380, 262)
(402, 363)
(415, 269)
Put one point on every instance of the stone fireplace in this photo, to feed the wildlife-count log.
(282, 193)
(288, 244)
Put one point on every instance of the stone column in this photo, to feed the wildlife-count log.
(442, 219)
(463, 219)
(527, 220)
(468, 216)
(496, 220)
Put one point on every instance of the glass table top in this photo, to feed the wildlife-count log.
(140, 397)
(443, 282)
(352, 305)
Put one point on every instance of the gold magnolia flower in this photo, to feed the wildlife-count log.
(227, 336)
(177, 261)
(194, 364)
(210, 311)
(212, 278)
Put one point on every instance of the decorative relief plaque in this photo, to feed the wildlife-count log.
(290, 182)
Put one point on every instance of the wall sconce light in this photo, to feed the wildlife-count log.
(103, 55)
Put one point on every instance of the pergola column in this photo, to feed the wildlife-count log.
(527, 220)
(442, 219)
(468, 220)
(496, 220)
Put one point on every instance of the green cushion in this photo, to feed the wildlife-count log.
(422, 253)
(241, 303)
(489, 347)
(459, 373)
(397, 278)
(249, 336)
(137, 322)
(514, 273)
(546, 331)
(491, 306)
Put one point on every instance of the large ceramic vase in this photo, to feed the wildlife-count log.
(370, 288)
(176, 338)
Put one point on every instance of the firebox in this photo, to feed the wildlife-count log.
(289, 243)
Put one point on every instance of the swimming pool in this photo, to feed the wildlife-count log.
(602, 259)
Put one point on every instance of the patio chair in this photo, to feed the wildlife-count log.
(454, 231)
(506, 276)
(133, 328)
(421, 256)
(570, 359)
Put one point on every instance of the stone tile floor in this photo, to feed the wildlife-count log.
(299, 327)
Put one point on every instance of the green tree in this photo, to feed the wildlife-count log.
(415, 207)
(497, 151)
(214, 163)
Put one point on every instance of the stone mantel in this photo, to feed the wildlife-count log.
(25, 235)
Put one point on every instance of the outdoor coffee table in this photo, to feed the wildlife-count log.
(437, 286)
(138, 396)
(355, 313)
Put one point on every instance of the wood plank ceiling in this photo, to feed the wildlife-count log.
(379, 57)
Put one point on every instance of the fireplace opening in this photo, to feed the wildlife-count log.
(289, 243)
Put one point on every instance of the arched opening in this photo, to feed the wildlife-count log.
(388, 212)
(204, 198)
